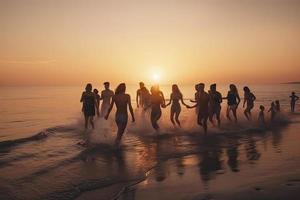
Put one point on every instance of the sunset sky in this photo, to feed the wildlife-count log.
(71, 42)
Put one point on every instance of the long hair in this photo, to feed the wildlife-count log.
(175, 89)
(233, 88)
(120, 89)
(154, 90)
(246, 89)
(88, 87)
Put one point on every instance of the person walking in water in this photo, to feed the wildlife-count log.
(142, 96)
(175, 97)
(90, 104)
(249, 99)
(202, 102)
(233, 100)
(294, 98)
(123, 102)
(156, 102)
(106, 96)
(215, 100)
(96, 92)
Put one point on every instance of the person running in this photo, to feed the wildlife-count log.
(156, 102)
(273, 111)
(175, 97)
(215, 100)
(294, 98)
(202, 102)
(233, 100)
(106, 96)
(142, 96)
(123, 102)
(96, 92)
(89, 105)
(249, 99)
(261, 115)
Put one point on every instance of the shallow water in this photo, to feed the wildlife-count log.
(53, 165)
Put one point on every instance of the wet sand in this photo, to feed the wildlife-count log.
(249, 165)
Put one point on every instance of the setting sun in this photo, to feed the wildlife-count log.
(156, 77)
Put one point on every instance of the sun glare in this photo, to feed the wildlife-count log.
(156, 77)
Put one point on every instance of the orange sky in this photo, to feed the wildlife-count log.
(71, 42)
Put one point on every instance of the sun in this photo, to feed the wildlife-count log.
(156, 77)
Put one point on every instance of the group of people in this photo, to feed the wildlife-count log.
(207, 104)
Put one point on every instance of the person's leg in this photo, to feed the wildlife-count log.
(172, 116)
(86, 120)
(211, 116)
(154, 118)
(91, 119)
(200, 118)
(249, 111)
(234, 114)
(246, 113)
(293, 106)
(121, 129)
(177, 117)
(205, 118)
(228, 113)
(218, 113)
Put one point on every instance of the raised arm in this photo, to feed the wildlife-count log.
(110, 108)
(130, 108)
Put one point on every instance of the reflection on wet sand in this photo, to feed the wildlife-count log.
(212, 155)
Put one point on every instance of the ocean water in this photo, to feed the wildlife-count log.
(41, 129)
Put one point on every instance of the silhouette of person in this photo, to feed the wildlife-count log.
(294, 98)
(123, 102)
(202, 102)
(233, 101)
(106, 96)
(273, 111)
(160, 93)
(96, 92)
(277, 104)
(142, 96)
(215, 100)
(175, 97)
(89, 105)
(195, 99)
(249, 99)
(261, 115)
(156, 102)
